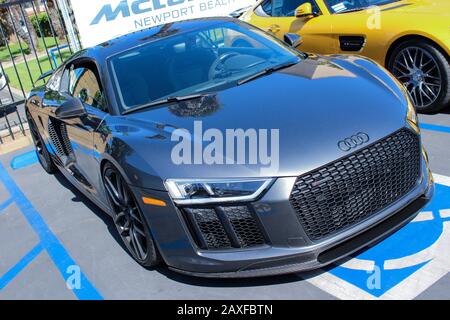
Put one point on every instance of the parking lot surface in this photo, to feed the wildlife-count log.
(50, 234)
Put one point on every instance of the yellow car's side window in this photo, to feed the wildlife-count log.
(284, 8)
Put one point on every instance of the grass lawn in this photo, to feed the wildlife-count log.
(34, 70)
(15, 48)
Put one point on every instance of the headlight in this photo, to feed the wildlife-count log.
(412, 114)
(212, 191)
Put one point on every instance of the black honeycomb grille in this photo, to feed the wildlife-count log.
(244, 226)
(210, 228)
(345, 192)
(224, 227)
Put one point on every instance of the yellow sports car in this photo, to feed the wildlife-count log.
(411, 38)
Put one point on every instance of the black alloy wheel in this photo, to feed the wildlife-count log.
(128, 218)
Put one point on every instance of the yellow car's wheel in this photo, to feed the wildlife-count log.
(425, 72)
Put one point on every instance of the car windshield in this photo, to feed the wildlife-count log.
(339, 6)
(200, 61)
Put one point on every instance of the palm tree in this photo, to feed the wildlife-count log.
(37, 5)
(54, 16)
(21, 24)
(5, 26)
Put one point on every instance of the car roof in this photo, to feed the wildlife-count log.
(111, 47)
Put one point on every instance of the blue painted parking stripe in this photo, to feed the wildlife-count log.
(6, 204)
(49, 242)
(14, 271)
(433, 127)
(24, 160)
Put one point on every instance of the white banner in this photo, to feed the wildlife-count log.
(101, 20)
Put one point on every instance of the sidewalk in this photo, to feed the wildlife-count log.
(19, 59)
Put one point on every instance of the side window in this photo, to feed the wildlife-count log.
(215, 36)
(55, 80)
(284, 8)
(266, 6)
(264, 9)
(83, 84)
(227, 38)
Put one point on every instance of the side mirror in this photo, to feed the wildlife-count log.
(72, 108)
(239, 13)
(292, 39)
(304, 10)
(3, 80)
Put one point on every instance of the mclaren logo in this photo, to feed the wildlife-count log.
(127, 8)
(353, 141)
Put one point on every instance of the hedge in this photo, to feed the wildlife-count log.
(44, 23)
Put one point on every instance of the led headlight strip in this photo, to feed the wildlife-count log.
(185, 192)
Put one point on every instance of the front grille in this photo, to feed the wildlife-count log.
(345, 192)
(224, 227)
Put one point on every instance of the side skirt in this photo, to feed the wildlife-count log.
(81, 188)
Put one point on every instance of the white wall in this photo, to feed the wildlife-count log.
(101, 20)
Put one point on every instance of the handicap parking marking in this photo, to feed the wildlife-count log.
(48, 241)
(403, 265)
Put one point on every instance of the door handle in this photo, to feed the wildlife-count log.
(274, 28)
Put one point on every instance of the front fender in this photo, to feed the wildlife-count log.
(370, 69)
(134, 168)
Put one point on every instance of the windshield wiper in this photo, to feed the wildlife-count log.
(266, 71)
(164, 101)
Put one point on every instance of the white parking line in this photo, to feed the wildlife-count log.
(358, 264)
(339, 288)
(424, 216)
(445, 213)
(441, 179)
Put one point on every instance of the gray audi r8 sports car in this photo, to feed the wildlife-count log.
(233, 161)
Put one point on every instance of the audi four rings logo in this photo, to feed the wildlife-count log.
(354, 141)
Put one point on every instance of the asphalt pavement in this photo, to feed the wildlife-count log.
(50, 233)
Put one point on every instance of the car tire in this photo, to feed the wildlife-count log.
(41, 149)
(129, 219)
(435, 65)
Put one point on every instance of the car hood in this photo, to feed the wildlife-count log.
(313, 105)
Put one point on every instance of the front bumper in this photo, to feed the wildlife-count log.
(290, 250)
